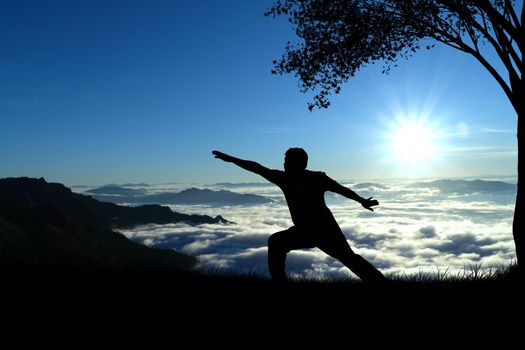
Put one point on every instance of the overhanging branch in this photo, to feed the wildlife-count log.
(457, 43)
(497, 18)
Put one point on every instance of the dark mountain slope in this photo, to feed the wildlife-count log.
(46, 226)
(46, 238)
(24, 193)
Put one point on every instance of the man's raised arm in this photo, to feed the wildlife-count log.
(249, 165)
(336, 187)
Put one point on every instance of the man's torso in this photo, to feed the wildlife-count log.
(304, 194)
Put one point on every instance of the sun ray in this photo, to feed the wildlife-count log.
(412, 141)
(412, 144)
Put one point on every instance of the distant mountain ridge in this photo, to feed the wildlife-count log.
(46, 225)
(243, 184)
(128, 184)
(117, 190)
(465, 186)
(189, 196)
(367, 185)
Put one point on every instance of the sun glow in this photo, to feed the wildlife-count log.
(413, 145)
(413, 141)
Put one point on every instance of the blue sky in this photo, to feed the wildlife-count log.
(93, 92)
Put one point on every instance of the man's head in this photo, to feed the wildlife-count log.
(295, 160)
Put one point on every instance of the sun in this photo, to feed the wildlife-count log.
(413, 141)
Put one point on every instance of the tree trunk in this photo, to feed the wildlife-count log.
(518, 225)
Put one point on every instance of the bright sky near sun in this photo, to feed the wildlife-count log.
(97, 91)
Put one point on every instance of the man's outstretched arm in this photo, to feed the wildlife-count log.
(249, 165)
(348, 193)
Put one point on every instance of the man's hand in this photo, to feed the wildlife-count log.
(222, 156)
(369, 203)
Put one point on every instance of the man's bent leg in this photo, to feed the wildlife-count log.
(279, 244)
(363, 269)
(339, 249)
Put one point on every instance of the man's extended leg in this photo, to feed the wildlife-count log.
(279, 244)
(338, 248)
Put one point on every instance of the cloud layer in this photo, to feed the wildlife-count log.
(414, 230)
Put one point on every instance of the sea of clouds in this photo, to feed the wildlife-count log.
(414, 230)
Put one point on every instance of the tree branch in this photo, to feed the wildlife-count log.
(498, 19)
(501, 43)
(512, 13)
(449, 43)
(473, 37)
(503, 46)
(508, 49)
(445, 27)
(450, 40)
(522, 16)
(458, 44)
(506, 88)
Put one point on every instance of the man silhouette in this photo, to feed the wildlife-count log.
(314, 224)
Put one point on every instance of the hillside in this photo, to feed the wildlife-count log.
(45, 225)
(45, 238)
(18, 194)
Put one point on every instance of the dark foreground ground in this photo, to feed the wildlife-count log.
(101, 309)
(193, 293)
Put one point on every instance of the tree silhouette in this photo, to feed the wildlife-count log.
(341, 36)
